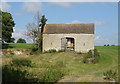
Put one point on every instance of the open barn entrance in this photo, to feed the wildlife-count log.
(67, 43)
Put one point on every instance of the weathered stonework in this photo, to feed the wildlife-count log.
(83, 42)
(77, 37)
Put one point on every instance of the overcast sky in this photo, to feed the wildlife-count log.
(103, 14)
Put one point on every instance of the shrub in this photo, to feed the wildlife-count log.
(52, 75)
(90, 54)
(85, 59)
(110, 75)
(34, 49)
(50, 51)
(16, 74)
(91, 57)
(21, 62)
(53, 51)
(11, 74)
(20, 40)
(61, 51)
(96, 55)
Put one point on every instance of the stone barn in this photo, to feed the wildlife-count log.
(77, 37)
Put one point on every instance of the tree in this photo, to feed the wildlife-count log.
(20, 40)
(1, 25)
(12, 40)
(35, 30)
(32, 31)
(42, 24)
(7, 27)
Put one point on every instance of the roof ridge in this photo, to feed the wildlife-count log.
(70, 24)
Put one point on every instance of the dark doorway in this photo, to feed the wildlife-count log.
(67, 43)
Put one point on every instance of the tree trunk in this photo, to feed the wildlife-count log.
(40, 43)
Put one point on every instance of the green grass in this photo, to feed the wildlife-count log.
(75, 69)
(17, 45)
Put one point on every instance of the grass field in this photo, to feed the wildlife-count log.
(75, 69)
(16, 45)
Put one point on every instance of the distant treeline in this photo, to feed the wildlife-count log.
(109, 45)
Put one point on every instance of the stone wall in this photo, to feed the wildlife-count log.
(83, 42)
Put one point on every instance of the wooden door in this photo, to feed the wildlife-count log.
(63, 43)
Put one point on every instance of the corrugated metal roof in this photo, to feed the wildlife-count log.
(69, 28)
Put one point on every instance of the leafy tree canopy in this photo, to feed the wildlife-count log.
(20, 40)
(43, 22)
(7, 27)
(0, 24)
(12, 40)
